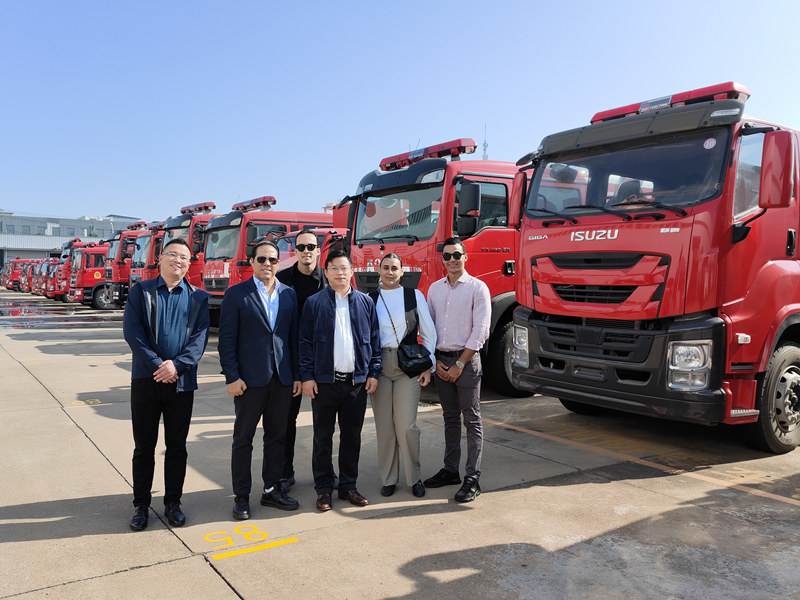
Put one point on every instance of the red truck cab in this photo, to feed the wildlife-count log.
(416, 201)
(144, 262)
(114, 290)
(668, 283)
(87, 269)
(191, 226)
(230, 238)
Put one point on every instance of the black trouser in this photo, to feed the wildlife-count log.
(270, 405)
(291, 437)
(348, 402)
(149, 401)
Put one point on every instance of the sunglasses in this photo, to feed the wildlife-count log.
(456, 255)
(262, 259)
(304, 247)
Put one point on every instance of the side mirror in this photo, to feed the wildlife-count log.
(519, 191)
(469, 199)
(777, 170)
(251, 235)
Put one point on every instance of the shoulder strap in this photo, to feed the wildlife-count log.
(410, 301)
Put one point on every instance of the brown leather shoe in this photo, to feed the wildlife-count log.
(324, 502)
(353, 497)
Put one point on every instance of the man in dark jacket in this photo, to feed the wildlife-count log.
(340, 362)
(258, 354)
(166, 325)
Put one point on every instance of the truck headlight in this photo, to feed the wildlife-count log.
(689, 365)
(520, 346)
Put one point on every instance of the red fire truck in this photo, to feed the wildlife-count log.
(112, 292)
(15, 270)
(61, 282)
(144, 262)
(666, 283)
(191, 226)
(40, 276)
(230, 237)
(86, 271)
(419, 199)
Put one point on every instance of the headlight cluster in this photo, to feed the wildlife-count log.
(520, 346)
(689, 365)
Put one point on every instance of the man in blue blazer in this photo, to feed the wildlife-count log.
(166, 325)
(258, 353)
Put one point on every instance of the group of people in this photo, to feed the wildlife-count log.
(305, 332)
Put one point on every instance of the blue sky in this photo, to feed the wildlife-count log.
(139, 108)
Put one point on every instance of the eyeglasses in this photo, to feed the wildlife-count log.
(262, 259)
(456, 255)
(177, 257)
(304, 247)
(339, 269)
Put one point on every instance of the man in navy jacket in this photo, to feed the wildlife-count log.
(340, 362)
(258, 353)
(166, 325)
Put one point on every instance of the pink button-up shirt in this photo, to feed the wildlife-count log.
(461, 313)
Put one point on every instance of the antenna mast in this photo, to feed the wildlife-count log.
(485, 144)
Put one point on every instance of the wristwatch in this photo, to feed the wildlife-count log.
(460, 365)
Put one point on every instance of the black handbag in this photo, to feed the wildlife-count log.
(412, 358)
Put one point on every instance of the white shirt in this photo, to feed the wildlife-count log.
(344, 360)
(397, 309)
(270, 301)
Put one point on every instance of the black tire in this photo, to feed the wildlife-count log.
(101, 299)
(498, 363)
(778, 401)
(581, 408)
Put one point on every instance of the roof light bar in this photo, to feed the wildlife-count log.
(138, 225)
(722, 91)
(452, 148)
(264, 201)
(201, 207)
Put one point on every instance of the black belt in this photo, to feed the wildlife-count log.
(449, 353)
(342, 377)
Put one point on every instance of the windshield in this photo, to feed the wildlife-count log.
(175, 234)
(411, 214)
(672, 171)
(112, 249)
(139, 259)
(222, 243)
(76, 262)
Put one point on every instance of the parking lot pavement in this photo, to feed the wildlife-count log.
(614, 506)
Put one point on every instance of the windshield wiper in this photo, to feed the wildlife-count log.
(368, 240)
(401, 236)
(655, 203)
(603, 208)
(218, 258)
(558, 214)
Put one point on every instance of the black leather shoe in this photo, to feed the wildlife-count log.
(277, 498)
(442, 478)
(418, 489)
(324, 502)
(175, 516)
(241, 508)
(139, 519)
(287, 483)
(469, 491)
(353, 497)
(387, 490)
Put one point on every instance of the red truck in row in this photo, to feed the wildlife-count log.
(417, 200)
(659, 266)
(87, 271)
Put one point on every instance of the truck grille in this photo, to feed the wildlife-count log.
(599, 294)
(215, 284)
(629, 346)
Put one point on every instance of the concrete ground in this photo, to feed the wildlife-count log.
(613, 506)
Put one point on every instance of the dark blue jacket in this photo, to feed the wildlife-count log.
(248, 348)
(316, 337)
(140, 328)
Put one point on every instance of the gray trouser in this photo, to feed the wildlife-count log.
(458, 399)
(394, 405)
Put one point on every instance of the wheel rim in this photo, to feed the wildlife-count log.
(787, 399)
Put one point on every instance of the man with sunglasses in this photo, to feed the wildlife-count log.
(307, 278)
(166, 325)
(258, 353)
(461, 309)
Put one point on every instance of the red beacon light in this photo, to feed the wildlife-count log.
(156, 225)
(452, 148)
(200, 208)
(263, 203)
(138, 225)
(722, 91)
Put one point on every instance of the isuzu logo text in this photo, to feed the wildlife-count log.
(588, 236)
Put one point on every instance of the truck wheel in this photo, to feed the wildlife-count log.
(101, 299)
(498, 362)
(778, 402)
(581, 408)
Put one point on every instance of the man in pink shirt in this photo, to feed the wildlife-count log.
(461, 308)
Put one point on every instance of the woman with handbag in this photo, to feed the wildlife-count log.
(395, 401)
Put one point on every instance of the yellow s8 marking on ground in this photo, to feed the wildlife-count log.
(222, 555)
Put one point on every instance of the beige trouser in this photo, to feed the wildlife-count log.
(394, 405)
